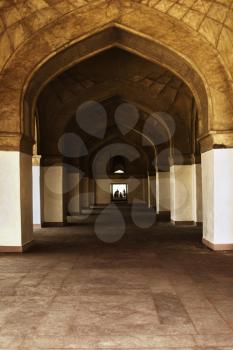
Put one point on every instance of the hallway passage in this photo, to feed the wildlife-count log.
(156, 288)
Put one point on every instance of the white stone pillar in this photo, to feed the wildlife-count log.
(16, 231)
(53, 195)
(163, 194)
(197, 194)
(217, 184)
(181, 181)
(36, 195)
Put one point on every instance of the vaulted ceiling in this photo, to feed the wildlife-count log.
(126, 86)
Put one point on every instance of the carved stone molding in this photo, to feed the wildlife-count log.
(16, 142)
(216, 140)
(36, 159)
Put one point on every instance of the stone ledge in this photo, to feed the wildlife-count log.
(216, 140)
(16, 142)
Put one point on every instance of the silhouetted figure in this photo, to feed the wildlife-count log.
(124, 194)
(116, 194)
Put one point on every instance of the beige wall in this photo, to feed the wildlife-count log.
(138, 189)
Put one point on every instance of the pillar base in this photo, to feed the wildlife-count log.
(16, 249)
(217, 247)
(53, 224)
(163, 216)
(36, 226)
(180, 223)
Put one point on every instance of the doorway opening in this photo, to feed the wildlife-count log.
(119, 192)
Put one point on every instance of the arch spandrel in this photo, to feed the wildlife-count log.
(158, 28)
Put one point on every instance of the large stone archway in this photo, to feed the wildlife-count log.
(177, 46)
(84, 32)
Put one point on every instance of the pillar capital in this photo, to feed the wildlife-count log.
(182, 159)
(216, 140)
(16, 142)
(36, 160)
(51, 160)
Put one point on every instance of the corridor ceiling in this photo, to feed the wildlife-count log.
(119, 80)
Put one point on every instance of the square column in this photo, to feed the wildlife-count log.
(181, 194)
(15, 201)
(53, 195)
(197, 193)
(217, 183)
(36, 191)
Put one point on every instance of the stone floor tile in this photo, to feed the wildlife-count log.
(155, 289)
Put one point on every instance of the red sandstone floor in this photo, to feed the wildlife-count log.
(158, 288)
